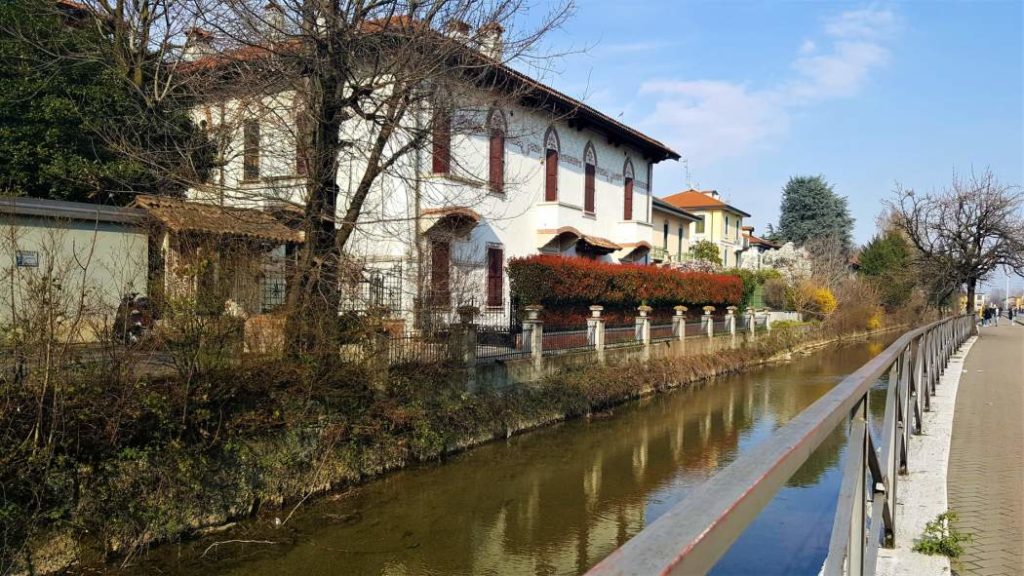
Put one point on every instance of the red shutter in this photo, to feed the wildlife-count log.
(440, 265)
(551, 179)
(588, 189)
(442, 139)
(627, 212)
(497, 166)
(495, 275)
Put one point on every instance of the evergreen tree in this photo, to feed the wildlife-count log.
(61, 101)
(811, 209)
(886, 261)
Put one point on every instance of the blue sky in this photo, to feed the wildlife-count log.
(752, 92)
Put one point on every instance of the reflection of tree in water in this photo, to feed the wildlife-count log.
(557, 500)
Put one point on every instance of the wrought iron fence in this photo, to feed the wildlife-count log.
(379, 288)
(418, 349)
(661, 332)
(499, 333)
(620, 335)
(693, 535)
(565, 340)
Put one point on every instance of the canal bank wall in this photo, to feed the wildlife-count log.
(132, 502)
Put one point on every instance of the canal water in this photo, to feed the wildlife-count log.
(558, 500)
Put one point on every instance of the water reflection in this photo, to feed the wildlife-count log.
(558, 500)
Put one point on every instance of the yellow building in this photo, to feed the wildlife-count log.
(720, 223)
(671, 235)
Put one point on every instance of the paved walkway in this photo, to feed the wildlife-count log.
(986, 460)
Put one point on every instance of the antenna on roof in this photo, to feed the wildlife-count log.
(686, 166)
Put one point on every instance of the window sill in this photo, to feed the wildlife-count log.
(589, 215)
(561, 204)
(452, 179)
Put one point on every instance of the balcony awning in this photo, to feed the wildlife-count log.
(571, 236)
(451, 221)
(634, 251)
(596, 245)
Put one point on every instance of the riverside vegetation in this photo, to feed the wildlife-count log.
(140, 459)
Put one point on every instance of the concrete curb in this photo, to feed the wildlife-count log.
(921, 494)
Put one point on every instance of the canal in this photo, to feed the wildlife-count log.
(558, 500)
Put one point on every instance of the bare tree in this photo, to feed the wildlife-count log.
(358, 85)
(348, 92)
(963, 233)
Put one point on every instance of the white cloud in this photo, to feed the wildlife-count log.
(708, 120)
(711, 119)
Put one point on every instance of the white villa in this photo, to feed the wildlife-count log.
(542, 173)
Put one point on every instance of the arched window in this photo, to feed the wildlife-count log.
(496, 170)
(589, 177)
(551, 149)
(441, 134)
(627, 190)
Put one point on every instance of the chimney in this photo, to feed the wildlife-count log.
(458, 30)
(198, 43)
(492, 44)
(748, 230)
(712, 193)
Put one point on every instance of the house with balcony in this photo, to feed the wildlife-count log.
(720, 222)
(672, 230)
(510, 169)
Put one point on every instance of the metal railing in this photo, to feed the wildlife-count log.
(691, 537)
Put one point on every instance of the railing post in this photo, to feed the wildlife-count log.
(595, 328)
(467, 342)
(643, 325)
(730, 319)
(750, 320)
(707, 322)
(679, 323)
(533, 332)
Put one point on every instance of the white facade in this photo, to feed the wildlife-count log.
(411, 209)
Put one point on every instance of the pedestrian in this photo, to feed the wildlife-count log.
(986, 315)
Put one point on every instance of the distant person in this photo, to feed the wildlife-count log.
(986, 315)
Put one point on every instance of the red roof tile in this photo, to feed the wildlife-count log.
(692, 199)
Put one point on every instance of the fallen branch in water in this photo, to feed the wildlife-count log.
(215, 544)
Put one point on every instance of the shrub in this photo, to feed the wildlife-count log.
(707, 251)
(811, 298)
(775, 294)
(574, 283)
(751, 280)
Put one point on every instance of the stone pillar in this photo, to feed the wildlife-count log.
(643, 325)
(707, 322)
(750, 320)
(767, 320)
(466, 341)
(595, 328)
(730, 319)
(533, 332)
(679, 323)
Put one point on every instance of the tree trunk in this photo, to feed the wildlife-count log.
(313, 302)
(972, 285)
